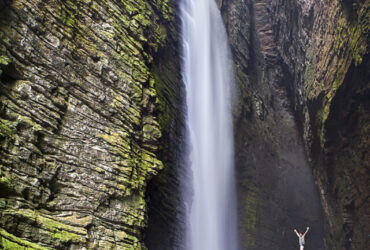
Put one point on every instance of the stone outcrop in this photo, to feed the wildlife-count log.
(81, 120)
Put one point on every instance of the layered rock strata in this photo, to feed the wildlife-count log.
(81, 120)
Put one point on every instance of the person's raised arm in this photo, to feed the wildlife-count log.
(308, 228)
(296, 232)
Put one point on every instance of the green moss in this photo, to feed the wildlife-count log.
(151, 131)
(165, 8)
(11, 242)
(150, 162)
(143, 20)
(5, 181)
(350, 34)
(350, 37)
(59, 232)
(4, 60)
(25, 120)
(68, 13)
(5, 128)
(326, 112)
(63, 236)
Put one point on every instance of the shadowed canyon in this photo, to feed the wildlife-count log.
(104, 143)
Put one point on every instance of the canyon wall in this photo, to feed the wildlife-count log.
(91, 123)
(86, 110)
(303, 106)
(336, 118)
(277, 192)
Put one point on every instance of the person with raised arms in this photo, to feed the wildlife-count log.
(301, 238)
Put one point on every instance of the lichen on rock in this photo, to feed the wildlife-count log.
(79, 126)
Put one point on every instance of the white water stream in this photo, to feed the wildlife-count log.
(207, 73)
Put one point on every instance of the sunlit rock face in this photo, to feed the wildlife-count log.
(81, 119)
(302, 70)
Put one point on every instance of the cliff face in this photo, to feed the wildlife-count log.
(336, 124)
(276, 187)
(303, 75)
(91, 122)
(166, 218)
(82, 112)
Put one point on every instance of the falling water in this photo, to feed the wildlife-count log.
(207, 74)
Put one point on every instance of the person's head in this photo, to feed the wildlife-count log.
(300, 234)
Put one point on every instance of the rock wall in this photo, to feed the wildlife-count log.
(91, 123)
(166, 225)
(302, 72)
(83, 109)
(276, 188)
(336, 124)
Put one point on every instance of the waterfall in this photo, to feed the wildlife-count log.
(207, 74)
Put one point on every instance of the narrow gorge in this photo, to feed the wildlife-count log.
(94, 124)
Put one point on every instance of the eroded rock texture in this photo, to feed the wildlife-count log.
(303, 76)
(81, 120)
